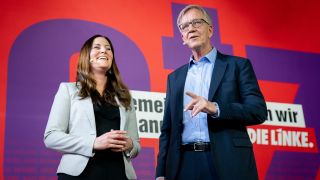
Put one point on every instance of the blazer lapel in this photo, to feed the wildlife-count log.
(180, 82)
(88, 107)
(122, 115)
(217, 74)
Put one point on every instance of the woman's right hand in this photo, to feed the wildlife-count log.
(115, 139)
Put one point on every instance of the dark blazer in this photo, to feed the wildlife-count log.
(235, 88)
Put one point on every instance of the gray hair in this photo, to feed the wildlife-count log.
(189, 7)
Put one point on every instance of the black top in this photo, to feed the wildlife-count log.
(105, 164)
(107, 117)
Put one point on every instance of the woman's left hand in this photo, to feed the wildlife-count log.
(127, 147)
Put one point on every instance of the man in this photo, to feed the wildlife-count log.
(209, 103)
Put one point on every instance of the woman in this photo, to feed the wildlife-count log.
(93, 121)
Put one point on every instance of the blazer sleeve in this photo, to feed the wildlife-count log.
(251, 108)
(56, 134)
(133, 132)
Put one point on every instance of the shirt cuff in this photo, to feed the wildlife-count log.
(217, 114)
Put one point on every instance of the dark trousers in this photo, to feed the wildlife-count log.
(196, 166)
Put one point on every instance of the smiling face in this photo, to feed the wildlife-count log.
(101, 55)
(196, 38)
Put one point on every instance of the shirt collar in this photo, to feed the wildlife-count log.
(210, 57)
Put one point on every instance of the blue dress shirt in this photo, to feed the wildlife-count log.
(197, 81)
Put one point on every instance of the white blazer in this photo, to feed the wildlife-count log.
(71, 129)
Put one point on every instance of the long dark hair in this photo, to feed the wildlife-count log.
(114, 87)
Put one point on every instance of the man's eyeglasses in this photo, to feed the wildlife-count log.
(195, 23)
